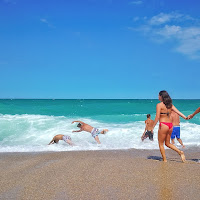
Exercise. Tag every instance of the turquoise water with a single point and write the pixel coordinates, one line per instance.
(28, 125)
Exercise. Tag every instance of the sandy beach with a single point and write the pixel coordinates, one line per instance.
(116, 174)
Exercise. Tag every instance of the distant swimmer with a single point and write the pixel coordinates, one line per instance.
(94, 131)
(148, 132)
(195, 112)
(176, 128)
(66, 138)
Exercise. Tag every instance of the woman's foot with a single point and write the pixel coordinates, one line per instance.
(182, 156)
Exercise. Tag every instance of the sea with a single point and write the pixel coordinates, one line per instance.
(28, 125)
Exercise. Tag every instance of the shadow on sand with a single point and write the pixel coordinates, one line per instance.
(155, 158)
(195, 160)
(158, 158)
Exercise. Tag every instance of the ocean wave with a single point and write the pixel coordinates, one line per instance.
(32, 133)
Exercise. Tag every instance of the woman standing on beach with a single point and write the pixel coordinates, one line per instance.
(163, 112)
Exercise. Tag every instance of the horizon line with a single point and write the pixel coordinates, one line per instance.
(89, 99)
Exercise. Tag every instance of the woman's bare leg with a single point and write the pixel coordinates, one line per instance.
(173, 147)
(162, 131)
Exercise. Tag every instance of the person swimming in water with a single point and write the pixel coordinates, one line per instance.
(163, 112)
(56, 139)
(94, 131)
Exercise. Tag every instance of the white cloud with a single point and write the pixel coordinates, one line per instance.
(187, 39)
(136, 2)
(189, 42)
(190, 32)
(163, 18)
(173, 27)
(145, 29)
(43, 20)
(136, 19)
(190, 47)
(169, 31)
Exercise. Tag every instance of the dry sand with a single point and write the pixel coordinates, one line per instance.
(93, 175)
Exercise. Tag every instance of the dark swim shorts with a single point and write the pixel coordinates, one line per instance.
(149, 134)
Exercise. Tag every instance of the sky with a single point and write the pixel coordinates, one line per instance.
(99, 49)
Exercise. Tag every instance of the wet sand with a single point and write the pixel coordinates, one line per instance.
(93, 175)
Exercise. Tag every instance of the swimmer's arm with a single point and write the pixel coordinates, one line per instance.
(79, 122)
(51, 142)
(145, 129)
(157, 115)
(152, 128)
(178, 112)
(192, 115)
(77, 131)
(144, 133)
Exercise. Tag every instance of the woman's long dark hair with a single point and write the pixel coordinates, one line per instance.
(166, 98)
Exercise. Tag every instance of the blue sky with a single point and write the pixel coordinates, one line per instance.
(99, 48)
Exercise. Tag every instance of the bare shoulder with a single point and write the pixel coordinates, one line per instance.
(160, 104)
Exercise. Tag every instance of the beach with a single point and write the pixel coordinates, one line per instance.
(106, 174)
(122, 167)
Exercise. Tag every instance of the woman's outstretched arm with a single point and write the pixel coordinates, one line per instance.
(178, 112)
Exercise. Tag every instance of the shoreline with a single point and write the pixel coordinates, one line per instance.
(99, 174)
(193, 148)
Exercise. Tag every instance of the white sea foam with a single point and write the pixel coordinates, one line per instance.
(32, 133)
